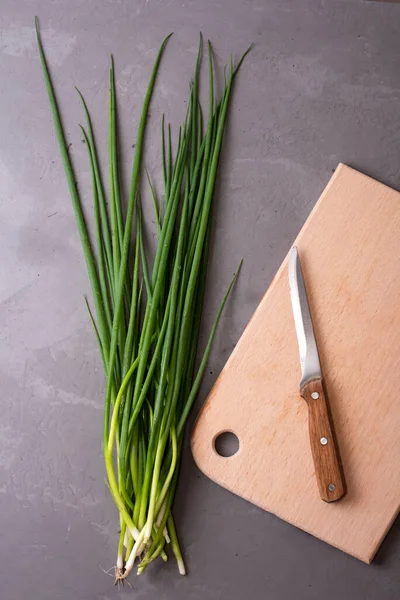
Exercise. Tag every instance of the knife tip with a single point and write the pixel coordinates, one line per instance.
(293, 254)
(292, 265)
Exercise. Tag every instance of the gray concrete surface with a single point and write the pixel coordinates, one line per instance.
(322, 85)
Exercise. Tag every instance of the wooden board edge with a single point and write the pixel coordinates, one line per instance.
(373, 552)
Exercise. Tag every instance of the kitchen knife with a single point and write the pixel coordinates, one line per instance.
(324, 448)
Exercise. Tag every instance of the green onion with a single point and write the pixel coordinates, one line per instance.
(148, 334)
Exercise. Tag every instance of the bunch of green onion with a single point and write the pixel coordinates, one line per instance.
(147, 321)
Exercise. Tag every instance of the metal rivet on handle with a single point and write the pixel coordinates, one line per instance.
(331, 487)
(315, 395)
(323, 441)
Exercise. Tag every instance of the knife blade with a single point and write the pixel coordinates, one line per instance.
(309, 359)
(324, 447)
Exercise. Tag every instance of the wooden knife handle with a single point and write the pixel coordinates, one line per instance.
(324, 448)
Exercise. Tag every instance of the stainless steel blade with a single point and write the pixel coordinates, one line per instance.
(309, 359)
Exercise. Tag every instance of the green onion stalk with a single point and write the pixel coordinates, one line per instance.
(147, 318)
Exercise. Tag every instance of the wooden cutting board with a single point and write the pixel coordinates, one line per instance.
(350, 254)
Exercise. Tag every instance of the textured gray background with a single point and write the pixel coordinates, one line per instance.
(322, 85)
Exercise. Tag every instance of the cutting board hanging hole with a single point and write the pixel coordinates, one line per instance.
(226, 444)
